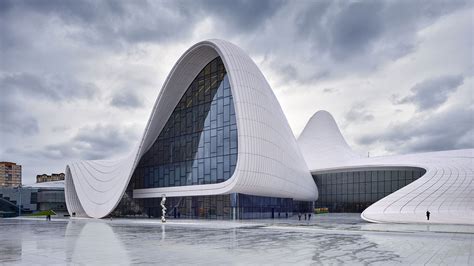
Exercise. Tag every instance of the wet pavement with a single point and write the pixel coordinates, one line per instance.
(326, 239)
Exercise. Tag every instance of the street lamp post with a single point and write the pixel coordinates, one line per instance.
(19, 205)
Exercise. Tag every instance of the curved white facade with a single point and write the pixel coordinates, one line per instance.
(269, 160)
(322, 143)
(446, 189)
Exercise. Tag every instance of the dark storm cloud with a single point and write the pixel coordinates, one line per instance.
(358, 113)
(109, 24)
(354, 28)
(365, 27)
(432, 93)
(329, 90)
(15, 120)
(14, 117)
(344, 38)
(90, 143)
(126, 100)
(287, 72)
(373, 30)
(239, 15)
(54, 87)
(449, 130)
(18, 123)
(341, 29)
(17, 88)
(100, 141)
(114, 23)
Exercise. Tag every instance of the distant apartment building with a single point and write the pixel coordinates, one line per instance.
(49, 178)
(10, 174)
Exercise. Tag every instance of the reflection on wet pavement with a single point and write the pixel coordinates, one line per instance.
(325, 240)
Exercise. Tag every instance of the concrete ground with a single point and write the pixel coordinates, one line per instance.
(326, 239)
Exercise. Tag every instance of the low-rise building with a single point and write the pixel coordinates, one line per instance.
(33, 198)
(49, 178)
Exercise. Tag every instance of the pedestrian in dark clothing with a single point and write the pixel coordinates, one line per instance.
(299, 216)
(305, 216)
(286, 215)
(428, 215)
(309, 216)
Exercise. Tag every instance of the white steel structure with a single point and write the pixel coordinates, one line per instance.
(446, 190)
(269, 160)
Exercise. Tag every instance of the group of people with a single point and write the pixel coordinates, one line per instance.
(307, 216)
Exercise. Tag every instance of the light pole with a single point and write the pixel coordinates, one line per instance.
(19, 205)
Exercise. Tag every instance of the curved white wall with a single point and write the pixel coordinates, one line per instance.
(322, 143)
(446, 189)
(269, 160)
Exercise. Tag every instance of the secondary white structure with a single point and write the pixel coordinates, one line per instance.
(269, 162)
(446, 189)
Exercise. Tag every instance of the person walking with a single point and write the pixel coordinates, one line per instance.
(305, 216)
(309, 216)
(299, 216)
(428, 215)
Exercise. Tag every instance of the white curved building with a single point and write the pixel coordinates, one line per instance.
(439, 182)
(218, 145)
(216, 127)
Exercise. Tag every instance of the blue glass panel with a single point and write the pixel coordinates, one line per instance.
(198, 144)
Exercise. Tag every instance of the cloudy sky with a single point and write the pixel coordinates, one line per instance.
(78, 78)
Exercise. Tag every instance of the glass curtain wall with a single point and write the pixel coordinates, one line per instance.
(221, 207)
(198, 144)
(354, 191)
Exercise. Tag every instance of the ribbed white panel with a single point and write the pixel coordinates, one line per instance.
(72, 201)
(446, 189)
(269, 161)
(322, 143)
(97, 186)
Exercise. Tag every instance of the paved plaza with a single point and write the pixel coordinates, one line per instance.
(326, 239)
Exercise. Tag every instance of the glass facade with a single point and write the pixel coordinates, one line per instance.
(353, 191)
(222, 207)
(255, 207)
(198, 144)
(204, 207)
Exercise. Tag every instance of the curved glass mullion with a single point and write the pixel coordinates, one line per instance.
(198, 144)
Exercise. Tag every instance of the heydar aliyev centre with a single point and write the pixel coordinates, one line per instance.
(217, 145)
